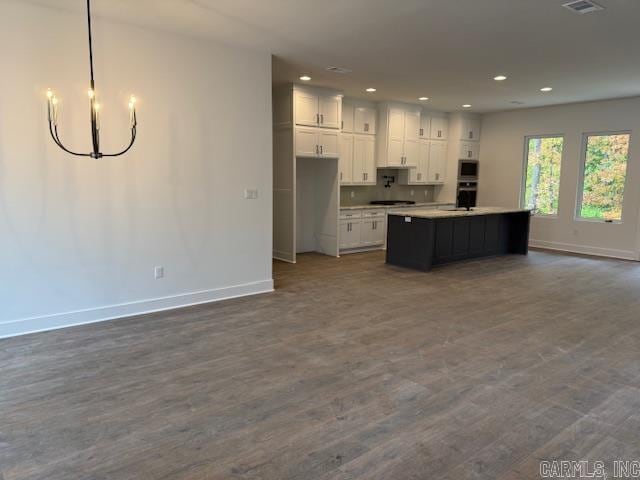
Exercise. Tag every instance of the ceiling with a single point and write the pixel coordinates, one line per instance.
(448, 50)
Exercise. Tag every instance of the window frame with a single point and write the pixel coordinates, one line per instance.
(583, 163)
(523, 175)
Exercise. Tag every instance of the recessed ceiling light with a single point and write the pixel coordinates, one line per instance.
(305, 78)
(546, 89)
(371, 90)
(423, 99)
(500, 78)
(466, 105)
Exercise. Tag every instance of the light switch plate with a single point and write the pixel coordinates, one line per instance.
(158, 272)
(251, 194)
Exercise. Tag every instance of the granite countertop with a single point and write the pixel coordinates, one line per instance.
(457, 213)
(416, 205)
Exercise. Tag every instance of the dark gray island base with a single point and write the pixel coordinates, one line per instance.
(427, 238)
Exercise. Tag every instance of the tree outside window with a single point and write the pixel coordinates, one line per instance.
(605, 170)
(542, 182)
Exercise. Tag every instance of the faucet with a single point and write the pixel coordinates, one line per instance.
(389, 179)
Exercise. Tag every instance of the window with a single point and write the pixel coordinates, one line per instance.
(542, 182)
(603, 176)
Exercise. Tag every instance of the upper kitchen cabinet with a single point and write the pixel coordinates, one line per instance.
(365, 120)
(433, 125)
(314, 142)
(470, 129)
(425, 126)
(398, 136)
(357, 160)
(348, 113)
(358, 116)
(439, 126)
(317, 108)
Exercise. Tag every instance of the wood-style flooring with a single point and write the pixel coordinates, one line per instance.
(351, 370)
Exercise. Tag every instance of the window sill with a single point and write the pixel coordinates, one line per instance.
(598, 220)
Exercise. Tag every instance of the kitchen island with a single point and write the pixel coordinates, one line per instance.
(422, 239)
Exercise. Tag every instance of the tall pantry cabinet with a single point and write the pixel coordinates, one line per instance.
(306, 152)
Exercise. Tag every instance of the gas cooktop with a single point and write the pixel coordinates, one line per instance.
(392, 202)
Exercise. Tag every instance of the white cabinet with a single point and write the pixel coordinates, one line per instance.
(329, 110)
(431, 165)
(357, 159)
(399, 138)
(346, 158)
(425, 125)
(372, 231)
(306, 108)
(348, 112)
(439, 127)
(358, 118)
(437, 161)
(349, 232)
(306, 142)
(364, 120)
(362, 229)
(469, 150)
(314, 142)
(470, 130)
(364, 167)
(329, 144)
(317, 109)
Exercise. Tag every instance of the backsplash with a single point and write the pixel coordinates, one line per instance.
(362, 195)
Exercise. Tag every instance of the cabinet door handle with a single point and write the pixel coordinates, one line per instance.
(342, 125)
(317, 150)
(317, 118)
(366, 127)
(340, 176)
(321, 152)
(421, 132)
(471, 135)
(470, 153)
(322, 118)
(439, 133)
(419, 176)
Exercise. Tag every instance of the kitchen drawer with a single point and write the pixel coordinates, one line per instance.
(373, 213)
(350, 214)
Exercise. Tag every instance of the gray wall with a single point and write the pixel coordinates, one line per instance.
(502, 164)
(80, 238)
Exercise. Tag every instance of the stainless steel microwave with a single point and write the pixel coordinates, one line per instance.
(468, 170)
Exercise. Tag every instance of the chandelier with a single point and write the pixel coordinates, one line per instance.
(52, 109)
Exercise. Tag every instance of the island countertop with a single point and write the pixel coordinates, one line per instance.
(476, 211)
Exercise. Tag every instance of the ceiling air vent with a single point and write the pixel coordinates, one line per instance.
(582, 6)
(340, 70)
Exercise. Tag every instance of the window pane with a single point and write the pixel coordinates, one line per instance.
(605, 169)
(544, 156)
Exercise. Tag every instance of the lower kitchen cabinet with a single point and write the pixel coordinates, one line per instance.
(362, 229)
(350, 225)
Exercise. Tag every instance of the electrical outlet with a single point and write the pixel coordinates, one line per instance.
(158, 272)
(250, 194)
(411, 193)
(353, 194)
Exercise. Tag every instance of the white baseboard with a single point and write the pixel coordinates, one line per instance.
(23, 326)
(585, 249)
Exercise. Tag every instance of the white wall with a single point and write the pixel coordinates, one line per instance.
(502, 163)
(79, 238)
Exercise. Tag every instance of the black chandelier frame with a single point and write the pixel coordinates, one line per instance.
(52, 111)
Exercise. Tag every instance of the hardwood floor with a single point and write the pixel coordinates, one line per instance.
(351, 370)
